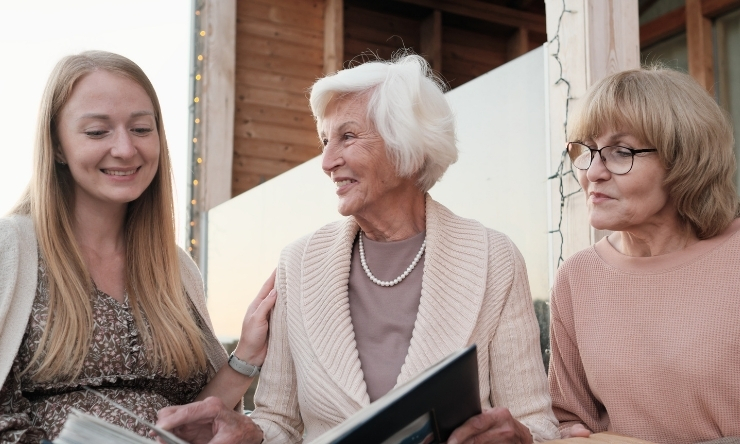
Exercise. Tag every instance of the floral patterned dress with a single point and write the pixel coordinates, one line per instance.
(115, 365)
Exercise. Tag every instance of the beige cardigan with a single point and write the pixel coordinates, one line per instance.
(19, 278)
(474, 290)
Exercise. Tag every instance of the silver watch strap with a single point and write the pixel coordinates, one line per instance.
(245, 368)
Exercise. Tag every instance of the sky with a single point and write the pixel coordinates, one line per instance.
(153, 33)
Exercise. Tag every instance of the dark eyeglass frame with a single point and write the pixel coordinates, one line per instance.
(606, 165)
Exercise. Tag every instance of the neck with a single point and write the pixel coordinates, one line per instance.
(399, 219)
(99, 229)
(655, 242)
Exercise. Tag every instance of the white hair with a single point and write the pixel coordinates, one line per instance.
(408, 108)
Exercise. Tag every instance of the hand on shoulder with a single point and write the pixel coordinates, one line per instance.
(252, 346)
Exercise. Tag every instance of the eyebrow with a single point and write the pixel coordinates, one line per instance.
(107, 117)
(341, 128)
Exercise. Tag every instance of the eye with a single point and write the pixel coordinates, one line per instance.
(95, 133)
(622, 151)
(347, 136)
(142, 131)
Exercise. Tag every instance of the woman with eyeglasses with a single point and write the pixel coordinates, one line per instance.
(645, 323)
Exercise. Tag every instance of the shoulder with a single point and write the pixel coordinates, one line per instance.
(318, 239)
(569, 277)
(17, 236)
(192, 280)
(15, 226)
(585, 258)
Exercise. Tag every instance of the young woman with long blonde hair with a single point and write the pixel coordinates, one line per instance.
(93, 289)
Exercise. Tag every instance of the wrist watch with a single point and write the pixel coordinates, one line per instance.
(245, 368)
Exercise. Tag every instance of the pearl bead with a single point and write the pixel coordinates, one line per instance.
(399, 278)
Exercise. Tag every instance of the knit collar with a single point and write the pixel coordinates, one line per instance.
(452, 291)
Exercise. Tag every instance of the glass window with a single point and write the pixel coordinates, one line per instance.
(671, 52)
(728, 64)
(652, 9)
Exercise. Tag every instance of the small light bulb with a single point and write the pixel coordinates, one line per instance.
(192, 241)
(200, 160)
(197, 12)
(200, 57)
(202, 33)
(195, 182)
(196, 100)
(195, 140)
(197, 120)
(197, 77)
(192, 201)
(192, 223)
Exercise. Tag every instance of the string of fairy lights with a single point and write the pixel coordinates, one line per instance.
(196, 115)
(561, 173)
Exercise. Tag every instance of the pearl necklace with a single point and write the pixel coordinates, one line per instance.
(399, 278)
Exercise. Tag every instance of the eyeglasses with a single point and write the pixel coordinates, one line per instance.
(616, 159)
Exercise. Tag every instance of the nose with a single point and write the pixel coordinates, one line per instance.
(597, 171)
(331, 157)
(123, 145)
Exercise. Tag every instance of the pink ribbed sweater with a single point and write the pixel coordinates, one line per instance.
(649, 347)
(474, 290)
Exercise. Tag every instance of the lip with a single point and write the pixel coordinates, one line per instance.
(597, 198)
(121, 174)
(341, 189)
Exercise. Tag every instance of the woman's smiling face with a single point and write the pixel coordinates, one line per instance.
(355, 157)
(108, 137)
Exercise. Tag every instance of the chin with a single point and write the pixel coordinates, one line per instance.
(603, 225)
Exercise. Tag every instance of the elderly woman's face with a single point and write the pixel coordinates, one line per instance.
(636, 201)
(355, 158)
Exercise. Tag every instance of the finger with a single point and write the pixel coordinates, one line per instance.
(263, 311)
(577, 431)
(204, 410)
(264, 292)
(478, 424)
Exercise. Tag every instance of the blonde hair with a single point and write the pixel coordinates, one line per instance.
(172, 339)
(408, 108)
(669, 111)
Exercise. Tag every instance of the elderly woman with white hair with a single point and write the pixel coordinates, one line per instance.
(368, 302)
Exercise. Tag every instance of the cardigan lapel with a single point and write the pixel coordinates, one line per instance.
(452, 288)
(325, 306)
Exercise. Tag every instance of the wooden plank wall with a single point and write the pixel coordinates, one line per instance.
(368, 31)
(466, 53)
(279, 54)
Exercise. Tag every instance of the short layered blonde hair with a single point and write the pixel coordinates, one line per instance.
(669, 111)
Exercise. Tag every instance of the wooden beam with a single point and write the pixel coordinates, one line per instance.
(333, 36)
(218, 102)
(699, 45)
(431, 39)
(518, 44)
(612, 38)
(663, 27)
(486, 11)
(592, 39)
(715, 8)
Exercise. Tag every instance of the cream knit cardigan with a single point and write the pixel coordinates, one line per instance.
(19, 278)
(474, 290)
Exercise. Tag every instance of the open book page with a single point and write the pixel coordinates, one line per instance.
(84, 428)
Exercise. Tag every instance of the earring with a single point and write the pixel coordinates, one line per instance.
(61, 162)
